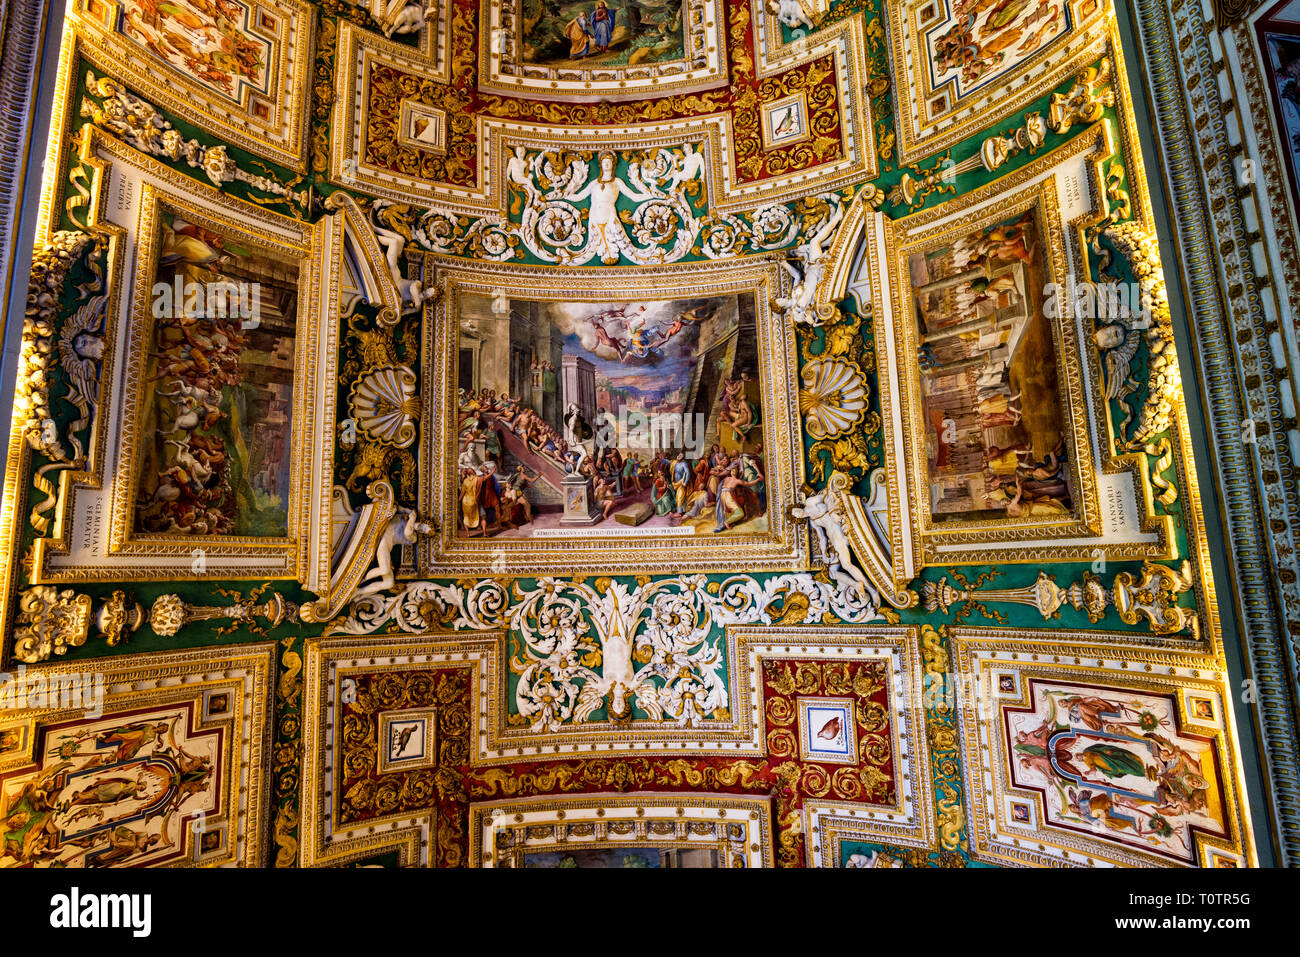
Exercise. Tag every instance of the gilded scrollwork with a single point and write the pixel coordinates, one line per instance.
(1151, 598)
(1085, 102)
(50, 621)
(113, 108)
(75, 345)
(584, 647)
(993, 153)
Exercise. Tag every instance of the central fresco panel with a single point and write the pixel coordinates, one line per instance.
(636, 434)
(608, 428)
(646, 382)
(597, 48)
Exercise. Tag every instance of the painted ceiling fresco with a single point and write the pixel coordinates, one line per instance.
(644, 433)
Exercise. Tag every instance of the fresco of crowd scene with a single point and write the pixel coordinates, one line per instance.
(656, 405)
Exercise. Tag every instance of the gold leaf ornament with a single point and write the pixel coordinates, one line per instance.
(833, 398)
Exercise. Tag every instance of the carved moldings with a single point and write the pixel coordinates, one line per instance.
(256, 99)
(95, 535)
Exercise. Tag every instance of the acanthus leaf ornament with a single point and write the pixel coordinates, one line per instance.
(77, 350)
(561, 214)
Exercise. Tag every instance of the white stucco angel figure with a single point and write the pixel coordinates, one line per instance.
(412, 292)
(801, 305)
(404, 528)
(618, 682)
(789, 12)
(824, 514)
(604, 231)
(402, 16)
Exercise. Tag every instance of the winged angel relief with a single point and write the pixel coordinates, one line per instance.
(663, 222)
(646, 213)
(579, 649)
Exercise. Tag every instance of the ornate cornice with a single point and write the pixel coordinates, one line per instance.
(1238, 384)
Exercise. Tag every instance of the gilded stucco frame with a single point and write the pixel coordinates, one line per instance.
(918, 542)
(1106, 659)
(282, 139)
(913, 234)
(738, 827)
(494, 746)
(132, 683)
(122, 555)
(703, 36)
(360, 52)
(920, 136)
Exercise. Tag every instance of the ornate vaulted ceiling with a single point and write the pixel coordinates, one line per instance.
(628, 433)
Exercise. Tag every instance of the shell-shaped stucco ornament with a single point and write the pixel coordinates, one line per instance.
(385, 406)
(833, 398)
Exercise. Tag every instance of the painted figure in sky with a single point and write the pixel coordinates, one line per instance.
(639, 343)
(602, 22)
(579, 34)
